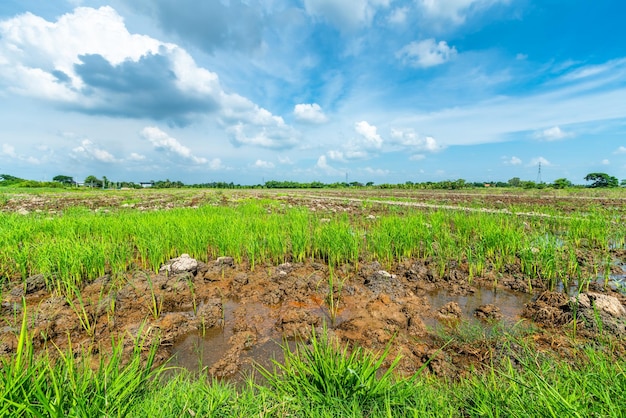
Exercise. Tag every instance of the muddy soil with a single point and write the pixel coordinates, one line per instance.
(220, 317)
(326, 200)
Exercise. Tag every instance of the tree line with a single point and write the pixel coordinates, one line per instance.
(595, 180)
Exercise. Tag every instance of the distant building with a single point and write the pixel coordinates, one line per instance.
(146, 184)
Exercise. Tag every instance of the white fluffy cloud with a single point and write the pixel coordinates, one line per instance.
(277, 136)
(369, 137)
(136, 157)
(89, 62)
(511, 160)
(620, 150)
(426, 53)
(88, 150)
(8, 150)
(163, 142)
(552, 134)
(336, 155)
(39, 57)
(412, 140)
(263, 164)
(322, 164)
(606, 162)
(455, 11)
(345, 14)
(285, 160)
(309, 113)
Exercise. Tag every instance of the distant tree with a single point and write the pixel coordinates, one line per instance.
(63, 179)
(515, 182)
(623, 183)
(93, 181)
(369, 183)
(561, 183)
(9, 178)
(601, 180)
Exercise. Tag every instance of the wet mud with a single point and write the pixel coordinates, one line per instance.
(220, 318)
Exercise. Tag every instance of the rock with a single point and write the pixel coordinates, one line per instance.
(603, 303)
(181, 264)
(488, 312)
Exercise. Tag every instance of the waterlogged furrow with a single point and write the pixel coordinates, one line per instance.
(82, 245)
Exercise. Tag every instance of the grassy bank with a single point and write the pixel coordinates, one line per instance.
(316, 380)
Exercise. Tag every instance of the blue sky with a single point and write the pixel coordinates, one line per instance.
(249, 90)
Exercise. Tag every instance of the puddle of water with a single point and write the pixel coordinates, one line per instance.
(510, 303)
(198, 352)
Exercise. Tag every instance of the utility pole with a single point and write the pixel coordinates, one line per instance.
(539, 174)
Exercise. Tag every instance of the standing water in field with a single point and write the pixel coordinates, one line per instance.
(255, 333)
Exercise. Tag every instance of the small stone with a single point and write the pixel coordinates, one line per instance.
(181, 264)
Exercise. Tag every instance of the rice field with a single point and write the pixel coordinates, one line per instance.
(82, 274)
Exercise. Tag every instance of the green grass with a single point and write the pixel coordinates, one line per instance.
(324, 379)
(81, 245)
(58, 383)
(320, 379)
